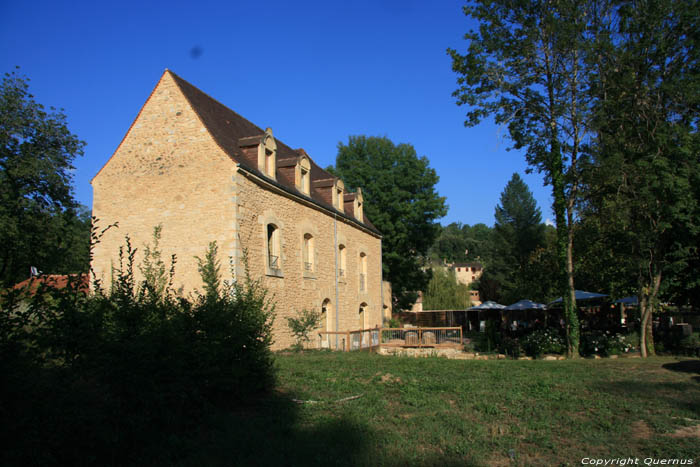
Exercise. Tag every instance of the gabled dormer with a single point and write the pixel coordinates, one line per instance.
(339, 195)
(302, 175)
(266, 148)
(354, 204)
(332, 191)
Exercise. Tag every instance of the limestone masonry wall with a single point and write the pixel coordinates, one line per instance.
(168, 170)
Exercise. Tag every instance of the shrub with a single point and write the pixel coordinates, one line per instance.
(543, 341)
(605, 343)
(114, 377)
(510, 346)
(301, 326)
(393, 323)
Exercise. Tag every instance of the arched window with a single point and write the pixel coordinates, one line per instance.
(342, 270)
(362, 316)
(363, 272)
(273, 247)
(308, 253)
(327, 324)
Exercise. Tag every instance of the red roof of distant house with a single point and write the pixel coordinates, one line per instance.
(56, 281)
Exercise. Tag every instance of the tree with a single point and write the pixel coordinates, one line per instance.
(401, 201)
(648, 144)
(40, 222)
(526, 66)
(459, 243)
(518, 232)
(445, 293)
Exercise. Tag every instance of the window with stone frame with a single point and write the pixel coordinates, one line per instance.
(273, 247)
(363, 272)
(308, 253)
(342, 260)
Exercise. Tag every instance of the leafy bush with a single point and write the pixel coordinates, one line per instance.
(393, 323)
(690, 345)
(543, 341)
(510, 346)
(115, 377)
(301, 326)
(605, 343)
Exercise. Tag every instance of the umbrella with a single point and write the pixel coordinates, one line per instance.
(526, 305)
(628, 300)
(582, 295)
(488, 306)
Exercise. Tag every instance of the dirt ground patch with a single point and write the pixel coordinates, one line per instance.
(640, 430)
(686, 432)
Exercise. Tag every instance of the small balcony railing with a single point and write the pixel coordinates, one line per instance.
(308, 267)
(274, 262)
(341, 272)
(362, 282)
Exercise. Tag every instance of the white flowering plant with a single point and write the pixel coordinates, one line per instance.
(543, 341)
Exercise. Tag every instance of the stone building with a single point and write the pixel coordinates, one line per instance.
(204, 173)
(466, 273)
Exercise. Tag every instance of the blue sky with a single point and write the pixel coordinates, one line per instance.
(316, 72)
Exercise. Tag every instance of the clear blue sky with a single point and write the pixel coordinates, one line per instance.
(316, 72)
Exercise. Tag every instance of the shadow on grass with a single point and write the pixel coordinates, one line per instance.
(275, 431)
(49, 420)
(681, 395)
(685, 366)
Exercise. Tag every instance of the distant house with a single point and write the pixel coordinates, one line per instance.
(206, 174)
(466, 273)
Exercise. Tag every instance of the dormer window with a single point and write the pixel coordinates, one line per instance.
(338, 195)
(357, 205)
(267, 154)
(269, 163)
(304, 175)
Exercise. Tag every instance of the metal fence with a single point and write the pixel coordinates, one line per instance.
(390, 337)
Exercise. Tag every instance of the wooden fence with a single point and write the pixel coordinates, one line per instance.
(366, 339)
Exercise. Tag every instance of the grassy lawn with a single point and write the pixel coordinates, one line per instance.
(447, 412)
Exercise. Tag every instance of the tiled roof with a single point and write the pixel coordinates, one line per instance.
(228, 129)
(56, 281)
(466, 265)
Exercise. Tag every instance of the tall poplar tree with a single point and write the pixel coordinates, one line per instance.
(648, 168)
(525, 66)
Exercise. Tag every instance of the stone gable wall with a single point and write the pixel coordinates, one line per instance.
(167, 171)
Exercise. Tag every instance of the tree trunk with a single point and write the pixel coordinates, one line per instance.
(644, 317)
(648, 294)
(564, 256)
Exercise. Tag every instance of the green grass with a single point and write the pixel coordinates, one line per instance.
(447, 412)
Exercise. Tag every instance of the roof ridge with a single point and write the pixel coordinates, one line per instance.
(179, 79)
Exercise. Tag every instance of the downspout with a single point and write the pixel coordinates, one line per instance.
(381, 286)
(335, 249)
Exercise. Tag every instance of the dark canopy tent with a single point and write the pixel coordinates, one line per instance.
(581, 295)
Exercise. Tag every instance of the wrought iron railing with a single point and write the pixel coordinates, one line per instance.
(273, 261)
(308, 266)
(362, 282)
